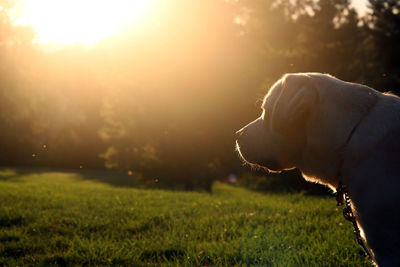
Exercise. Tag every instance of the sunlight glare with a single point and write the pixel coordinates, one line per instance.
(82, 21)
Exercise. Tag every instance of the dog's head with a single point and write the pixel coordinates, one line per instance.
(275, 139)
(306, 121)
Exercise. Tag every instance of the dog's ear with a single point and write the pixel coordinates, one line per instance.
(294, 102)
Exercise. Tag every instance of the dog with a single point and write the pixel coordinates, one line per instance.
(335, 132)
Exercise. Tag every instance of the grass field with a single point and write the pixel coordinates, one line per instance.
(66, 218)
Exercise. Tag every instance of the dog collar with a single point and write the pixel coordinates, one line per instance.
(342, 196)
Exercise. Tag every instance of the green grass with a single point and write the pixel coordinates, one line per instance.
(61, 218)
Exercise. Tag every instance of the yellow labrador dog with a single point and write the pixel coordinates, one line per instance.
(335, 133)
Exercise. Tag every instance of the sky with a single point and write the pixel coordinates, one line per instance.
(360, 5)
(89, 29)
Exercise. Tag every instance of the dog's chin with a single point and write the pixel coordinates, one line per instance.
(269, 166)
(271, 170)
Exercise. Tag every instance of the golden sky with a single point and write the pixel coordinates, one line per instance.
(89, 21)
(78, 21)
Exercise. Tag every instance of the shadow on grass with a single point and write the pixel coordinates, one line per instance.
(113, 178)
(162, 255)
(6, 221)
(12, 175)
(285, 182)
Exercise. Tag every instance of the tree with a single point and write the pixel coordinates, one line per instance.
(383, 21)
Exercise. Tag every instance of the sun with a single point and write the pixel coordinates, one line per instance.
(81, 21)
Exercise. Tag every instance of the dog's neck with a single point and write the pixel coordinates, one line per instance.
(323, 161)
(321, 168)
(324, 166)
(366, 139)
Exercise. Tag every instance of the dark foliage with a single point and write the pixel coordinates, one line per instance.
(165, 103)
